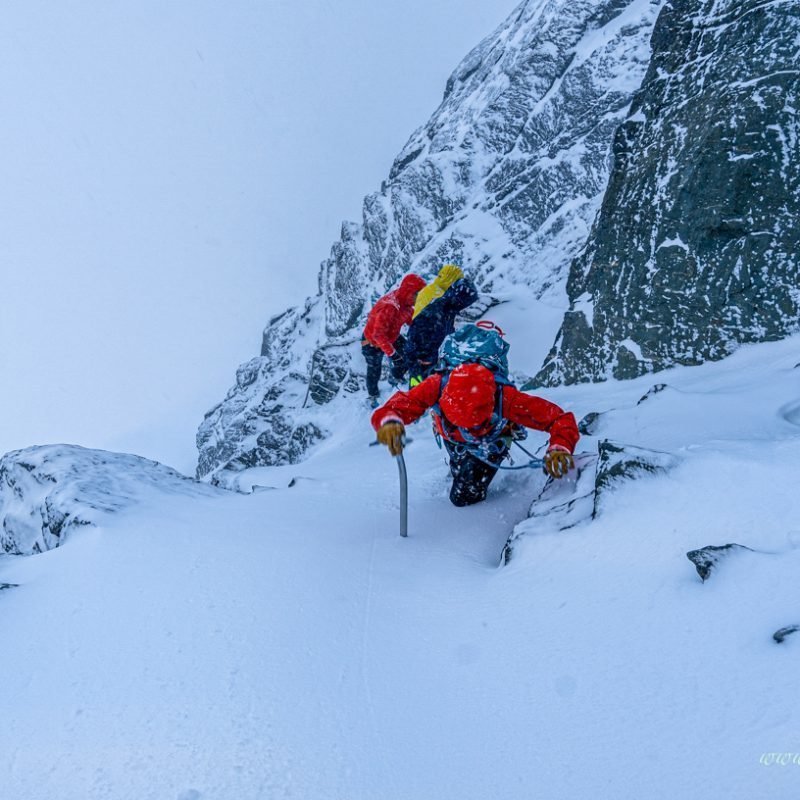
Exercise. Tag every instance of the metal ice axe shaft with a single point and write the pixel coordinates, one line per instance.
(401, 468)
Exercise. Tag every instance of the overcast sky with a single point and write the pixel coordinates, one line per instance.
(171, 174)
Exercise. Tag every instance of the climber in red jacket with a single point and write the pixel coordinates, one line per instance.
(474, 416)
(382, 333)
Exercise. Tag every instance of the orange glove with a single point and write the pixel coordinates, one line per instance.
(391, 434)
(557, 463)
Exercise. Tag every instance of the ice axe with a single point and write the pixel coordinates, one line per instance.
(401, 468)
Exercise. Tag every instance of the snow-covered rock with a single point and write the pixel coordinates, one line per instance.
(706, 559)
(565, 503)
(264, 418)
(780, 635)
(559, 506)
(47, 491)
(695, 249)
(504, 179)
(507, 175)
(618, 463)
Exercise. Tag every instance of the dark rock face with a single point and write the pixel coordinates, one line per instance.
(695, 249)
(46, 492)
(706, 559)
(504, 180)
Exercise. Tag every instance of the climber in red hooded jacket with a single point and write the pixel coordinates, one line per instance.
(382, 333)
(473, 415)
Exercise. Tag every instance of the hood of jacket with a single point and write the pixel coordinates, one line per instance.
(468, 400)
(406, 293)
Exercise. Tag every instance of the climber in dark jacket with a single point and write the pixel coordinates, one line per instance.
(432, 325)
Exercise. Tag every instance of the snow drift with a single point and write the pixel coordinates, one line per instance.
(45, 492)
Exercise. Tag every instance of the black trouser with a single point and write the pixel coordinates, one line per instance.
(374, 358)
(471, 476)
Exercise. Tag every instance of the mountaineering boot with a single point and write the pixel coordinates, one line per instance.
(374, 401)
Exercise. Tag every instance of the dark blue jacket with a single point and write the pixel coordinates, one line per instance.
(435, 322)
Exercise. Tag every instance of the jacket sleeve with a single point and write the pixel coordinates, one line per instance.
(542, 415)
(408, 407)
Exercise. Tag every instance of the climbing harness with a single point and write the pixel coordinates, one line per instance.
(475, 452)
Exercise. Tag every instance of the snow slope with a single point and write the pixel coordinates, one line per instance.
(288, 643)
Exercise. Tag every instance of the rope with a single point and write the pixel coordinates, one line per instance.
(534, 463)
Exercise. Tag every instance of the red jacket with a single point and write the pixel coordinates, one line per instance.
(391, 312)
(518, 407)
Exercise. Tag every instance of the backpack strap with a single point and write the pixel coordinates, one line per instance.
(488, 442)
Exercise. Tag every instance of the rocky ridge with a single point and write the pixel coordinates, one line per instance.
(504, 179)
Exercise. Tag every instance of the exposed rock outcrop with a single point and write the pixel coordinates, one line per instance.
(264, 419)
(706, 559)
(565, 503)
(618, 463)
(695, 249)
(782, 634)
(504, 179)
(45, 492)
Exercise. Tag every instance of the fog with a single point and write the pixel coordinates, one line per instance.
(172, 174)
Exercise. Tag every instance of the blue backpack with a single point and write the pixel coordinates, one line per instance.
(477, 344)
